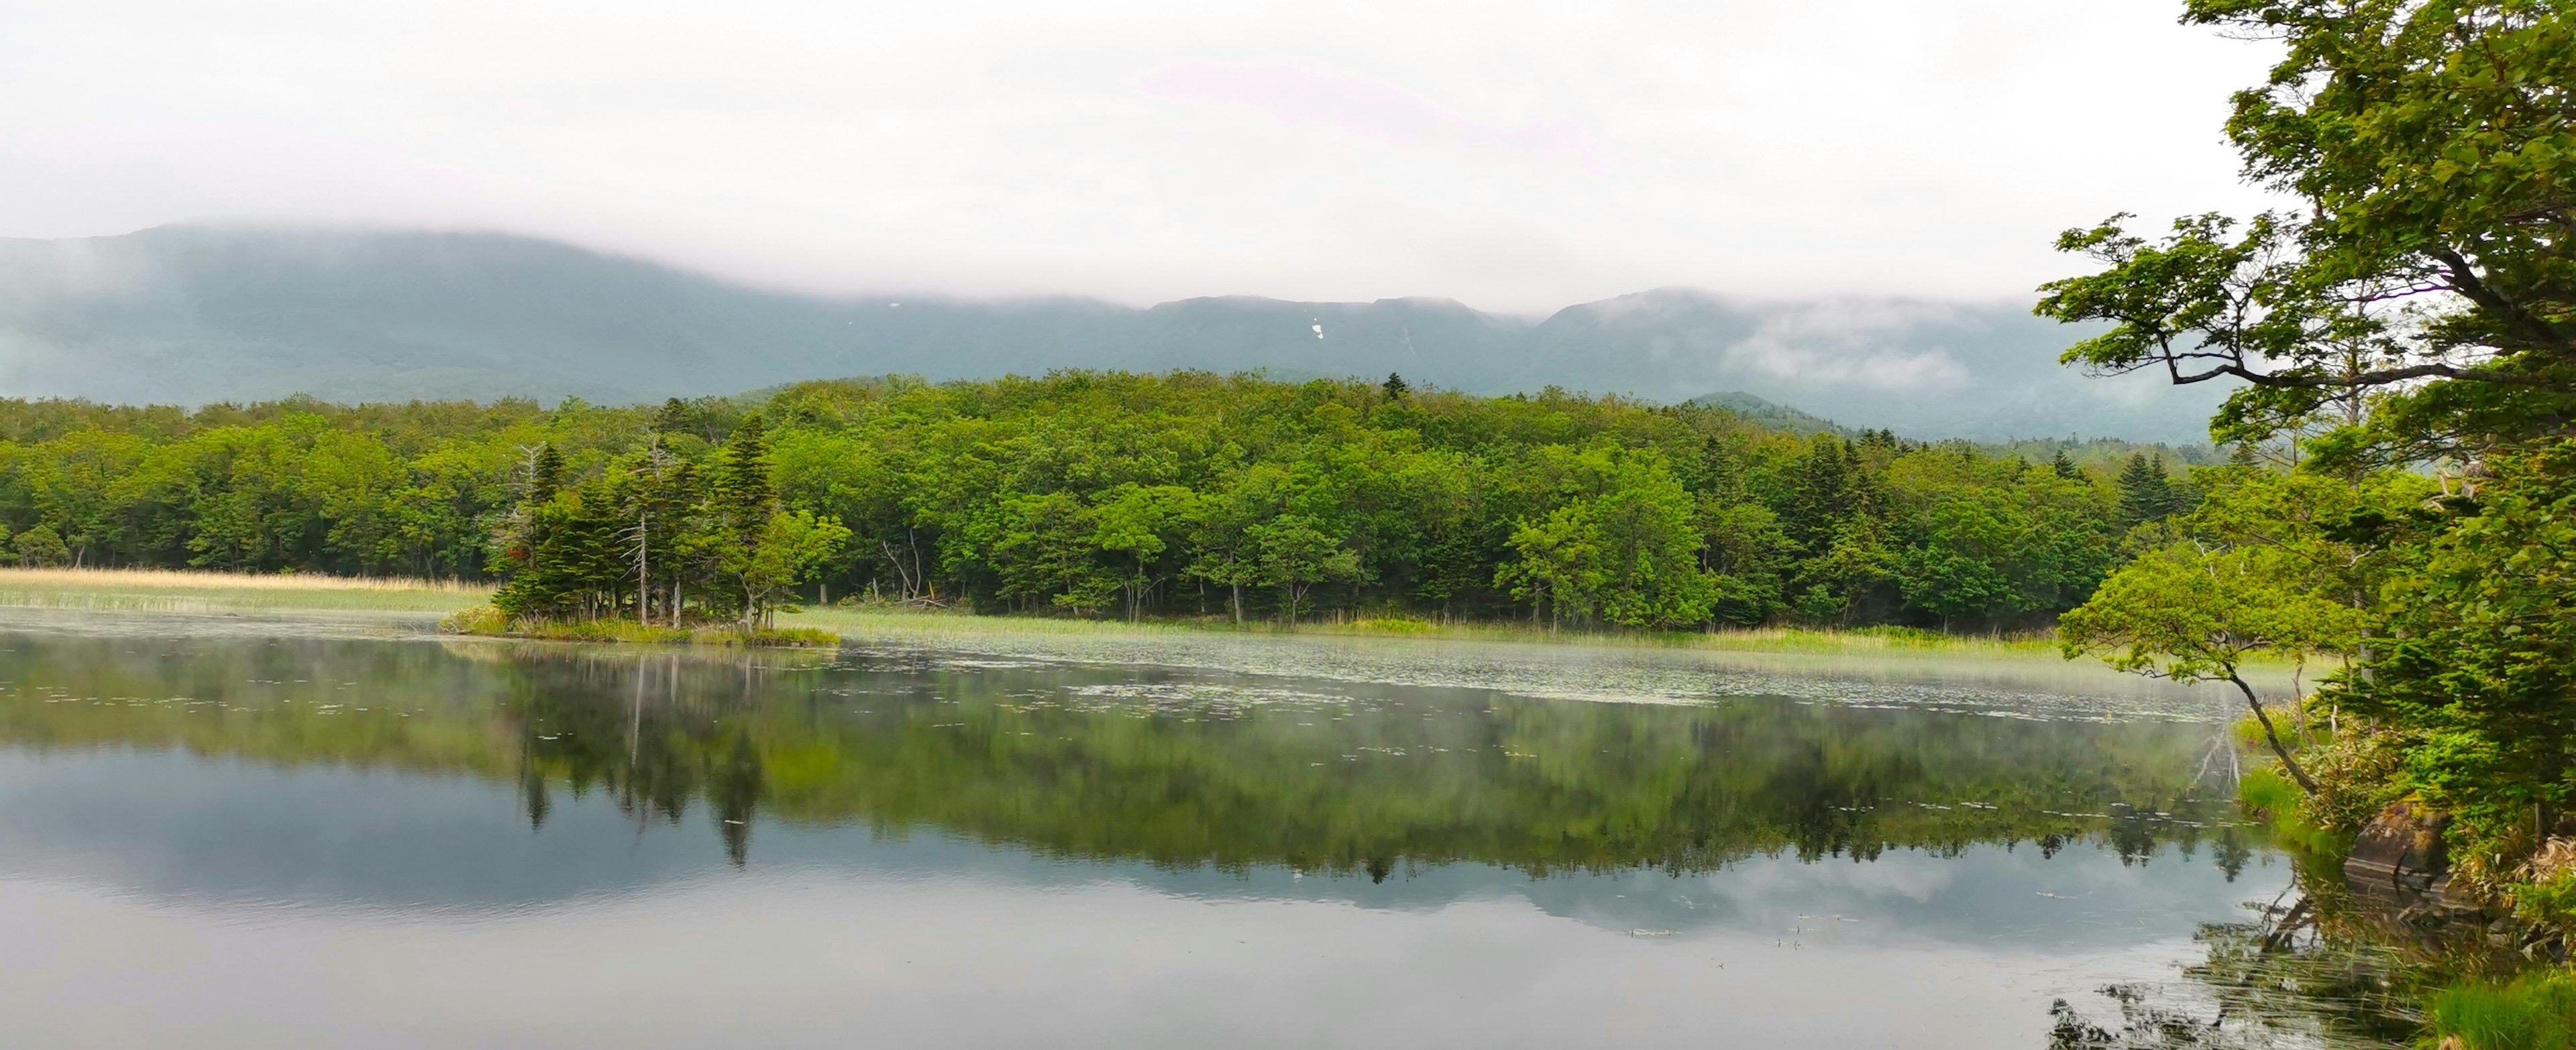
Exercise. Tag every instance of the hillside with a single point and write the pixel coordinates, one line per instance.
(190, 315)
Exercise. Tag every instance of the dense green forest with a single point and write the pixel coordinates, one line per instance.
(1097, 494)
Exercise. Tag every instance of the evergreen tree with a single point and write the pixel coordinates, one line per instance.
(2146, 493)
(744, 492)
(545, 474)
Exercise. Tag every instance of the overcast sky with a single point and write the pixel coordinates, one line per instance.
(1515, 156)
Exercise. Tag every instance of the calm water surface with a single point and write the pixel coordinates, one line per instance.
(293, 841)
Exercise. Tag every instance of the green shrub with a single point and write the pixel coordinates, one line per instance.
(770, 638)
(2356, 775)
(476, 619)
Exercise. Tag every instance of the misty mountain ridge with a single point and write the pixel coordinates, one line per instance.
(189, 315)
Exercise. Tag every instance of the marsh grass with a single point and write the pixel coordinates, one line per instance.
(2534, 1012)
(2269, 794)
(1787, 640)
(174, 591)
(486, 621)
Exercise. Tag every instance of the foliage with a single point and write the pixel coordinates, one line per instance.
(2265, 566)
(2477, 657)
(2416, 309)
(40, 546)
(1179, 495)
(2428, 269)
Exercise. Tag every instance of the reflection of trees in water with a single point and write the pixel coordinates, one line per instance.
(2320, 966)
(651, 744)
(1195, 772)
(1370, 786)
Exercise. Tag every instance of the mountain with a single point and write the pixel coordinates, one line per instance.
(1769, 413)
(196, 314)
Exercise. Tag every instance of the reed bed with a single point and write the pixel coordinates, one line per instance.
(195, 579)
(179, 591)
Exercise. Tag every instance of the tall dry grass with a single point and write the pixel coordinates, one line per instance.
(176, 591)
(193, 579)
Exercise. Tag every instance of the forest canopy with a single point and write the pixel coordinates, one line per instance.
(1099, 494)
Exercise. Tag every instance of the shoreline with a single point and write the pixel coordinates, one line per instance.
(1632, 667)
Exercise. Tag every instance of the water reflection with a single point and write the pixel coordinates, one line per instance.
(480, 795)
(1176, 769)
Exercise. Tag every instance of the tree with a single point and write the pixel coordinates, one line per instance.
(2146, 491)
(1296, 554)
(545, 474)
(655, 492)
(2195, 615)
(1557, 564)
(1229, 554)
(2266, 565)
(2432, 151)
(41, 546)
(1960, 567)
(2476, 655)
(790, 546)
(2418, 304)
(741, 492)
(1745, 553)
(1046, 549)
(1832, 585)
(1643, 532)
(1140, 524)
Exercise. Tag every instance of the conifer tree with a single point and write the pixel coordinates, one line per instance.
(2146, 494)
(2065, 467)
(545, 474)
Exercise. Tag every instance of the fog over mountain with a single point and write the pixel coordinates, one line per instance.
(197, 314)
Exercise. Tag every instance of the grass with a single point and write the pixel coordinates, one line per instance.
(175, 591)
(2268, 792)
(2536, 1011)
(484, 620)
(1789, 640)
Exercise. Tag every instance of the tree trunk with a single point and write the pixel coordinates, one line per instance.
(2306, 783)
(643, 575)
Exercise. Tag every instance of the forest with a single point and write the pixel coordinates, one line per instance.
(1099, 494)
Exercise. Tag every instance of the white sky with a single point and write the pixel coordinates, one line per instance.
(1516, 156)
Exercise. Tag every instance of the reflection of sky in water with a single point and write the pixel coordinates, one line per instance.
(334, 907)
(259, 905)
(212, 830)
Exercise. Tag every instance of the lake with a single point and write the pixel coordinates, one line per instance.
(226, 833)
